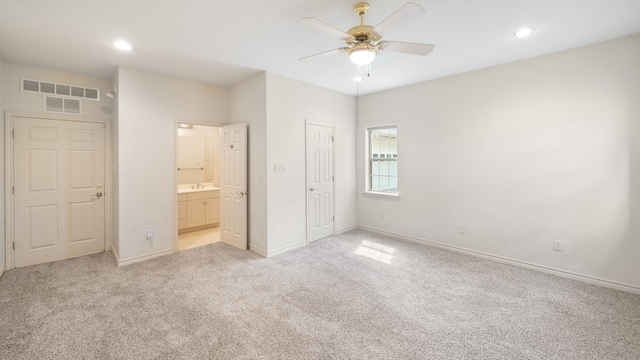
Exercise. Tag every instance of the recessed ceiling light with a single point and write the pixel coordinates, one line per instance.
(122, 45)
(524, 32)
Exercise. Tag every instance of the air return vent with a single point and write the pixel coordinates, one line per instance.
(72, 106)
(30, 85)
(44, 87)
(62, 105)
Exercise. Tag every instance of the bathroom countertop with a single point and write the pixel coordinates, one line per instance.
(184, 190)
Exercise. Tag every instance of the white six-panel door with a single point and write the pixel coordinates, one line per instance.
(59, 201)
(320, 180)
(233, 186)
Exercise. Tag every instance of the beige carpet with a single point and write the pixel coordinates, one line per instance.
(355, 296)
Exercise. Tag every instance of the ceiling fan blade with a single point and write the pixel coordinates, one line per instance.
(325, 28)
(405, 14)
(408, 48)
(322, 54)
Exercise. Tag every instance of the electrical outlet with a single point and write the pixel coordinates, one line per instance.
(279, 168)
(557, 245)
(149, 234)
(461, 229)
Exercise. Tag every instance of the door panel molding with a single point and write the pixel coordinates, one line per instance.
(10, 118)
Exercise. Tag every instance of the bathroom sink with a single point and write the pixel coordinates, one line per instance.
(189, 188)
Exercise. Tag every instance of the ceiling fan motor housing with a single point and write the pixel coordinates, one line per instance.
(360, 34)
(361, 8)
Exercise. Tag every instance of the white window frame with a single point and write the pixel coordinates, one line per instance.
(370, 159)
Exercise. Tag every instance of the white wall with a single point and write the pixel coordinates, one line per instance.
(115, 169)
(522, 154)
(289, 104)
(15, 100)
(247, 104)
(2, 226)
(275, 108)
(148, 107)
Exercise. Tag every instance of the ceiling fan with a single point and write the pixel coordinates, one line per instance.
(363, 41)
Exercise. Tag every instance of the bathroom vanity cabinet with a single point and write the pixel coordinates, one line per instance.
(198, 210)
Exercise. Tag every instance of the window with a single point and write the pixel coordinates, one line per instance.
(383, 159)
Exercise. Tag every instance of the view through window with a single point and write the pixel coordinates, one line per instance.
(383, 159)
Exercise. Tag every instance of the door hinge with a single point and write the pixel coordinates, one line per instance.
(13, 133)
(332, 138)
(333, 218)
(12, 190)
(333, 178)
(14, 245)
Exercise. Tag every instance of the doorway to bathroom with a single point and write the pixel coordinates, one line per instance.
(198, 180)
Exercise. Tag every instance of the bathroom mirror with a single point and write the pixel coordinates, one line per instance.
(197, 156)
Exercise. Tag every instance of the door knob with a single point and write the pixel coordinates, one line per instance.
(98, 195)
(313, 189)
(241, 193)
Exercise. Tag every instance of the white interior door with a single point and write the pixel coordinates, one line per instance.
(59, 186)
(320, 180)
(233, 186)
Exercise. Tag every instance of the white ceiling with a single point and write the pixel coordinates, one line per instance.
(226, 42)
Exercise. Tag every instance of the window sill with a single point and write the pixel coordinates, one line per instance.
(376, 193)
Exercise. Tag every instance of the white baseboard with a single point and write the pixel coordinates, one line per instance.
(287, 249)
(1, 272)
(292, 247)
(519, 263)
(115, 255)
(338, 232)
(258, 251)
(142, 258)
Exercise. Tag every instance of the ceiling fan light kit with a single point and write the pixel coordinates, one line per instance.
(363, 41)
(362, 46)
(362, 54)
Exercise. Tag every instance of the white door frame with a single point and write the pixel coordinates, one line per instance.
(306, 168)
(8, 176)
(175, 167)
